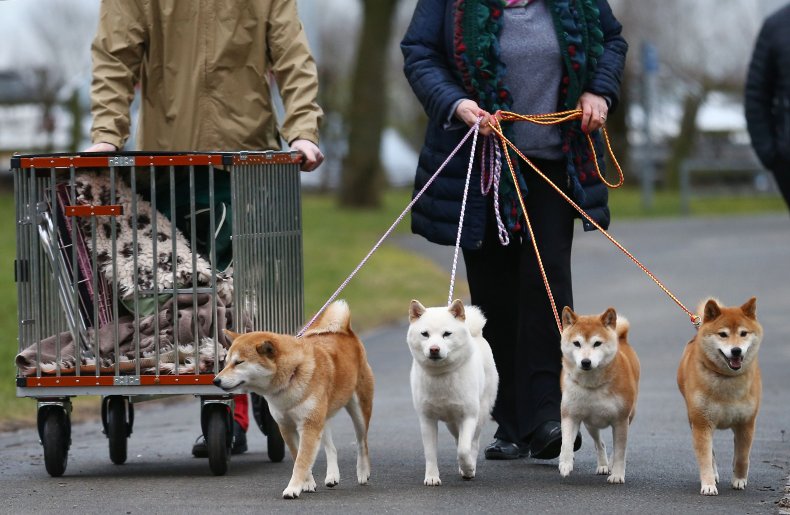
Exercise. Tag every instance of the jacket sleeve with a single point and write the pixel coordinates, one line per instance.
(759, 95)
(117, 54)
(426, 63)
(609, 73)
(295, 72)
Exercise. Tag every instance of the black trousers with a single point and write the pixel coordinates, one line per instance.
(506, 284)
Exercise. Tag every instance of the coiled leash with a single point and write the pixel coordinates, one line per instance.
(551, 119)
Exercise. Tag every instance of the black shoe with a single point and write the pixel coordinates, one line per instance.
(200, 449)
(546, 441)
(503, 450)
(239, 439)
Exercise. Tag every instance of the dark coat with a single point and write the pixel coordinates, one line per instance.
(767, 100)
(430, 68)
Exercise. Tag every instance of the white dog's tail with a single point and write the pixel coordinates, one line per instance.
(335, 319)
(475, 320)
(622, 327)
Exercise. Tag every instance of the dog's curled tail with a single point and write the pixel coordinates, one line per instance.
(335, 319)
(475, 321)
(622, 327)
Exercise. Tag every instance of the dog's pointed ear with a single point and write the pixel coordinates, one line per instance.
(609, 318)
(750, 308)
(711, 311)
(266, 349)
(416, 310)
(457, 309)
(230, 335)
(568, 317)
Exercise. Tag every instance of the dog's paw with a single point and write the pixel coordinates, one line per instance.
(467, 474)
(738, 483)
(565, 468)
(432, 481)
(616, 479)
(292, 492)
(602, 470)
(709, 490)
(331, 480)
(363, 476)
(309, 485)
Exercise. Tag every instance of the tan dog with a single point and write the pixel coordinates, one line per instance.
(720, 380)
(306, 381)
(600, 383)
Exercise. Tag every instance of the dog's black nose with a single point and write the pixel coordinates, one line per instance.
(735, 352)
(217, 381)
(586, 363)
(433, 352)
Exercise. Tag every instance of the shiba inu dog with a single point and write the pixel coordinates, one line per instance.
(306, 381)
(453, 379)
(720, 381)
(600, 383)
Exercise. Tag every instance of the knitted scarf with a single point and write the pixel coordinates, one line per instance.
(476, 31)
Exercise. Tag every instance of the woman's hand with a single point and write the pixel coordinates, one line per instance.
(468, 112)
(594, 110)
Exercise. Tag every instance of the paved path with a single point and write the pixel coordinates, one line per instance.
(730, 258)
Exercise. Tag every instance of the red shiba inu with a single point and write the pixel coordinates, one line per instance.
(306, 381)
(720, 381)
(600, 383)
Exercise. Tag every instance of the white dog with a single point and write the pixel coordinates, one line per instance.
(453, 379)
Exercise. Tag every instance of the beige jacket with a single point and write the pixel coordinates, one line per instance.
(204, 67)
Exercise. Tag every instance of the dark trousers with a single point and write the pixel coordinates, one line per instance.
(505, 282)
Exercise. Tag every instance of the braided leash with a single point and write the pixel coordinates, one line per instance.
(553, 118)
(476, 129)
(473, 130)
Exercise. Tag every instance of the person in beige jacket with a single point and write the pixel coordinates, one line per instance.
(204, 68)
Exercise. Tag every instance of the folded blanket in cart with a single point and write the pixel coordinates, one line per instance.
(173, 332)
(170, 268)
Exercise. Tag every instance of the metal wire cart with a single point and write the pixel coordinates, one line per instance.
(130, 266)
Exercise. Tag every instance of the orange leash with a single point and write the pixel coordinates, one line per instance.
(551, 119)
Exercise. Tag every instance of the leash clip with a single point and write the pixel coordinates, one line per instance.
(696, 320)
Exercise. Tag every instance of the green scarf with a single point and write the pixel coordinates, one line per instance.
(476, 29)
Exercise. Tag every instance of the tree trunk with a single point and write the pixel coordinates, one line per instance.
(685, 140)
(362, 175)
(617, 127)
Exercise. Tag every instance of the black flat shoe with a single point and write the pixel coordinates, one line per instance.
(503, 450)
(200, 449)
(546, 441)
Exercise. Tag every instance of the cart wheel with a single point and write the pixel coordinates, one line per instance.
(117, 428)
(54, 437)
(217, 442)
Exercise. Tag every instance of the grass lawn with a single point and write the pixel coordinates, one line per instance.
(335, 241)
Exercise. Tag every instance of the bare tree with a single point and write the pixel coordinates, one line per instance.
(60, 55)
(703, 46)
(362, 175)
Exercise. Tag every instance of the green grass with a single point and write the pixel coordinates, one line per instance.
(335, 241)
(626, 203)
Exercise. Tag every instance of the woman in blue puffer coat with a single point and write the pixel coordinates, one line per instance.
(467, 59)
